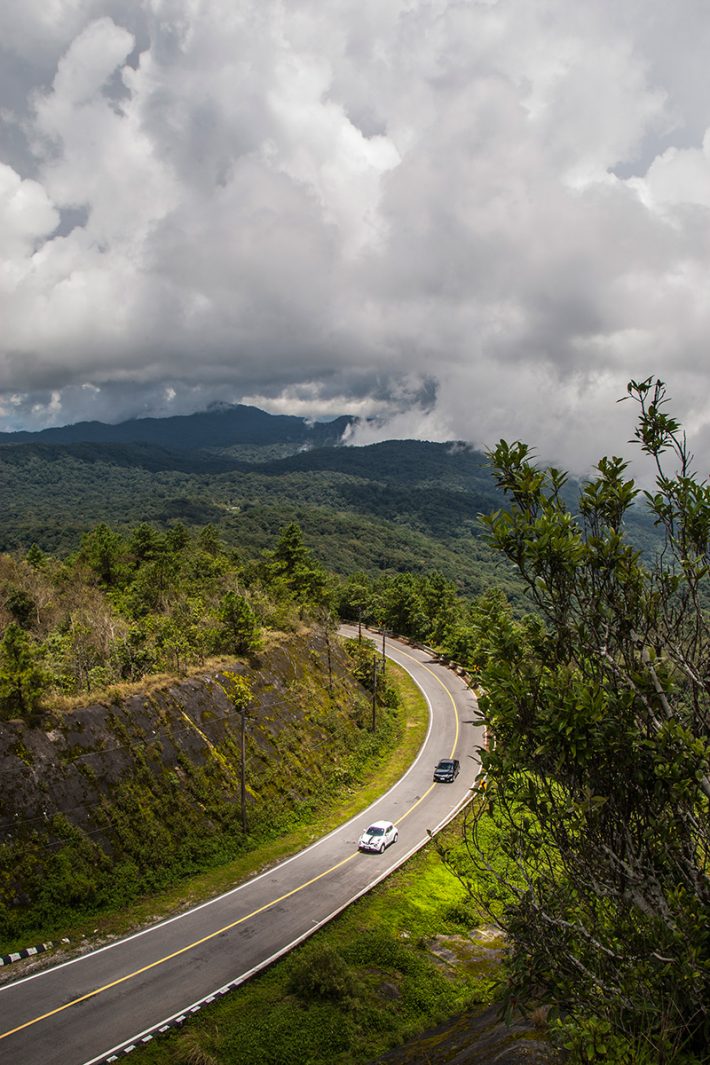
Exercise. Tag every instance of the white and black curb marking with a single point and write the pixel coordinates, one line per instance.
(27, 952)
(176, 1022)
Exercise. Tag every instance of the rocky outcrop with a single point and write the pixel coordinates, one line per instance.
(477, 1037)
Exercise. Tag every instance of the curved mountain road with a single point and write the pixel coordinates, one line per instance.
(97, 1006)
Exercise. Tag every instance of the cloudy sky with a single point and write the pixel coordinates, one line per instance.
(466, 218)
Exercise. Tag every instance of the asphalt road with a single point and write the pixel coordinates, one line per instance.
(89, 1009)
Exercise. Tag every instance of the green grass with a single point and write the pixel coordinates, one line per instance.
(315, 822)
(365, 983)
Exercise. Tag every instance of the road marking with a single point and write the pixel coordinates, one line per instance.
(456, 733)
(182, 950)
(451, 698)
(246, 917)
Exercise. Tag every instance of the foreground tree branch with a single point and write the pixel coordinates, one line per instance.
(599, 778)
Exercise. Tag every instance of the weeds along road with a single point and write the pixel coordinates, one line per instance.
(98, 1005)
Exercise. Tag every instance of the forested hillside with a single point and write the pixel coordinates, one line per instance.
(126, 606)
(124, 669)
(403, 505)
(131, 791)
(392, 507)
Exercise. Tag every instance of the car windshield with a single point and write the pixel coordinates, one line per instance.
(375, 830)
(446, 765)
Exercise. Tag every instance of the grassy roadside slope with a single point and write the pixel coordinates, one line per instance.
(408, 956)
(400, 960)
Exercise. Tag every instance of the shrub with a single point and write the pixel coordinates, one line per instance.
(320, 974)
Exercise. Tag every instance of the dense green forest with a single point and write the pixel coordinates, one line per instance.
(128, 605)
(400, 506)
(390, 507)
(580, 607)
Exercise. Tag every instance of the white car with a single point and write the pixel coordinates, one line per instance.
(378, 836)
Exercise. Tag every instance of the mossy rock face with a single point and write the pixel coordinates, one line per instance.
(477, 1038)
(133, 794)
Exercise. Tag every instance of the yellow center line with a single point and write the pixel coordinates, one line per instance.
(456, 733)
(240, 920)
(176, 953)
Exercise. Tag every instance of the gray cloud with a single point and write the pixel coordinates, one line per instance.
(467, 219)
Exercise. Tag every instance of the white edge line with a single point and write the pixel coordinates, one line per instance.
(239, 980)
(265, 963)
(247, 883)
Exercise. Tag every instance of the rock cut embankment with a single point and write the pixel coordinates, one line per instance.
(129, 793)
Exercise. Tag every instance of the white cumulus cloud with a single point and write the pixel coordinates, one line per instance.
(467, 219)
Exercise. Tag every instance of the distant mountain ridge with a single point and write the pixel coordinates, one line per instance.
(219, 427)
(393, 506)
(388, 507)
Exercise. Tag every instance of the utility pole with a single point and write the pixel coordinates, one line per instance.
(239, 692)
(374, 694)
(243, 774)
(327, 623)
